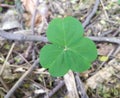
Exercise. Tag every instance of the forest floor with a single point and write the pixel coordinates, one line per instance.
(21, 75)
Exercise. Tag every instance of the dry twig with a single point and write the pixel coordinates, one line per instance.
(18, 83)
(87, 20)
(4, 65)
(22, 37)
(104, 10)
(80, 86)
(7, 6)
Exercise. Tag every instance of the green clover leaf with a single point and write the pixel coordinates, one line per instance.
(69, 49)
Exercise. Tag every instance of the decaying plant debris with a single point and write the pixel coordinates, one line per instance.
(22, 34)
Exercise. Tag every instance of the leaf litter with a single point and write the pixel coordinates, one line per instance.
(105, 80)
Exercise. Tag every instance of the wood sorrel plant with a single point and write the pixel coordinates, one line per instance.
(69, 49)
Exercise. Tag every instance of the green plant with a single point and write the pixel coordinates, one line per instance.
(69, 49)
(119, 1)
(1, 9)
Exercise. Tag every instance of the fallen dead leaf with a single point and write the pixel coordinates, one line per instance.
(104, 74)
(30, 6)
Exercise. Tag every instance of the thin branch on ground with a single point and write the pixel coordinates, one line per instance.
(19, 82)
(106, 33)
(80, 86)
(116, 51)
(87, 20)
(3, 84)
(33, 17)
(4, 65)
(22, 37)
(32, 28)
(5, 62)
(7, 6)
(106, 39)
(24, 59)
(105, 12)
(52, 92)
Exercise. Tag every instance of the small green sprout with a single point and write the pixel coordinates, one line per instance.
(69, 49)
